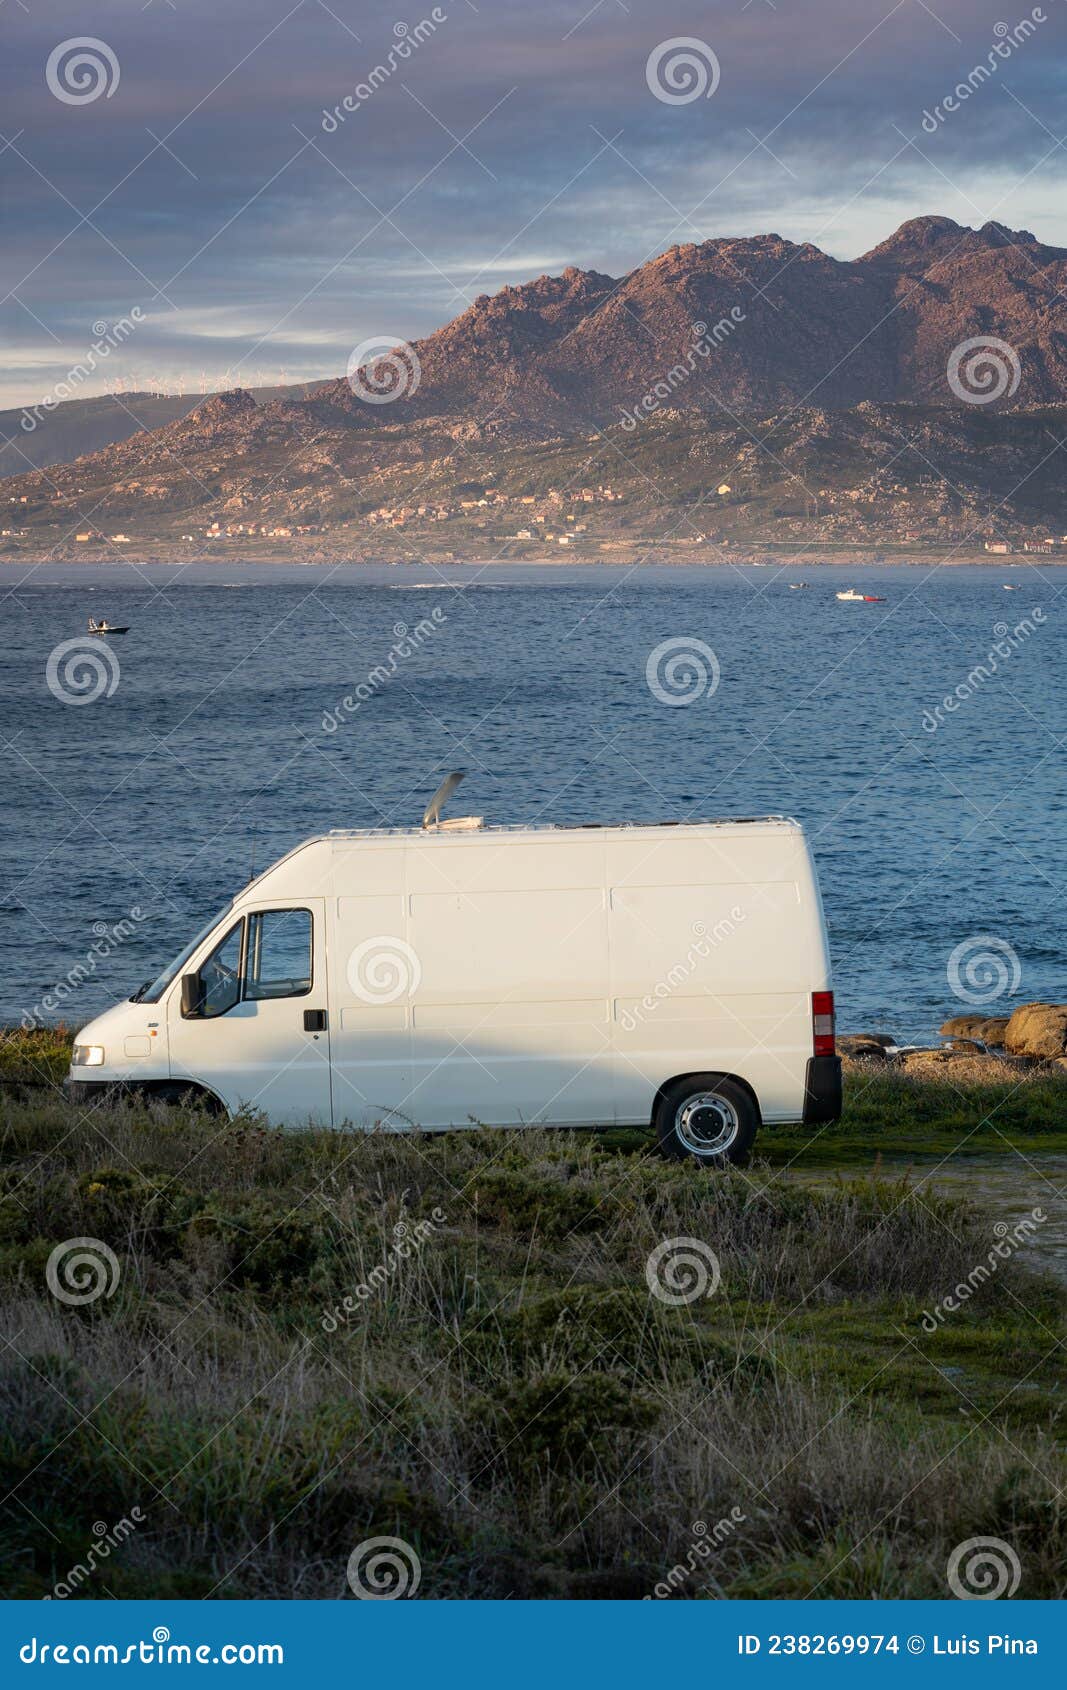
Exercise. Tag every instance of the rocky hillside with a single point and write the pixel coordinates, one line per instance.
(78, 427)
(815, 390)
(875, 475)
(794, 326)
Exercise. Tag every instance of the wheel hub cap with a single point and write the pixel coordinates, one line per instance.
(706, 1124)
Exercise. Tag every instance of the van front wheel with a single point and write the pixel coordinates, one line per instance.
(706, 1119)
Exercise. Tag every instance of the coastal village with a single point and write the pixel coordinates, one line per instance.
(588, 519)
(541, 518)
(873, 481)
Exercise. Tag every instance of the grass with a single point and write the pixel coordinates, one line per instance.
(971, 1104)
(510, 1399)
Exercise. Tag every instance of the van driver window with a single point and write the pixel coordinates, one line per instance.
(220, 975)
(278, 964)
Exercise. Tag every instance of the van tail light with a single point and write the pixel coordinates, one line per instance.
(822, 1023)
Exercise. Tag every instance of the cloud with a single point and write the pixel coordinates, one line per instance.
(256, 239)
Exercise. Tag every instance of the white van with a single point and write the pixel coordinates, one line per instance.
(676, 974)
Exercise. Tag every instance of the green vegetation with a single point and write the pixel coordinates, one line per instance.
(509, 1397)
(34, 1057)
(973, 1106)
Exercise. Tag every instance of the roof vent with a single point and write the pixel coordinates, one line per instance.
(458, 824)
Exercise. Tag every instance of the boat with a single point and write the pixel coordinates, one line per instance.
(1009, 587)
(796, 586)
(860, 598)
(105, 627)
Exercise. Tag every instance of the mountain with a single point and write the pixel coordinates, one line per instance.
(77, 427)
(795, 376)
(794, 326)
(235, 477)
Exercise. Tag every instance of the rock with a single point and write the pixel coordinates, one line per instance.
(857, 1045)
(962, 1024)
(973, 1045)
(1038, 1029)
(990, 1029)
(922, 1061)
(972, 1064)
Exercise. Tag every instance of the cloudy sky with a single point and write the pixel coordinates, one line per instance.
(207, 182)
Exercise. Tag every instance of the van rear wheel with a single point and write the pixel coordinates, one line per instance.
(708, 1119)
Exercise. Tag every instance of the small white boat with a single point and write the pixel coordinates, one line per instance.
(1009, 587)
(105, 627)
(852, 597)
(798, 586)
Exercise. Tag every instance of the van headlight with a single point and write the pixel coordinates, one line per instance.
(87, 1056)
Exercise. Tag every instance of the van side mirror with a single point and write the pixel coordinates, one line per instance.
(192, 994)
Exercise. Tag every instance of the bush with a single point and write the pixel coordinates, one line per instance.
(512, 1400)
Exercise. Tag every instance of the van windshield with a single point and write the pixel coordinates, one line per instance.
(153, 991)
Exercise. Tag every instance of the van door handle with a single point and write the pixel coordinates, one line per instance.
(314, 1020)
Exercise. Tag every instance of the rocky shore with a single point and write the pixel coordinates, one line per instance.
(1033, 1036)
